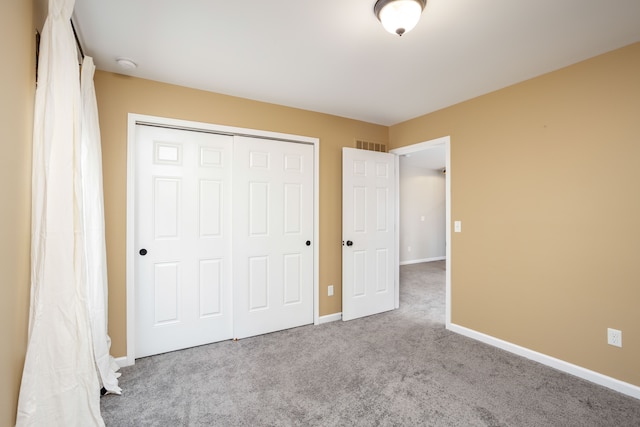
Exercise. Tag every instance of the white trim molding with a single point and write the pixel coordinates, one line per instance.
(123, 361)
(329, 318)
(561, 365)
(419, 261)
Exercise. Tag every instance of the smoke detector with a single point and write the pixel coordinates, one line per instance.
(126, 64)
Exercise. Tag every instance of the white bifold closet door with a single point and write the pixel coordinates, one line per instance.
(222, 225)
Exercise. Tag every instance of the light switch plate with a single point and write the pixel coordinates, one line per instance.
(457, 226)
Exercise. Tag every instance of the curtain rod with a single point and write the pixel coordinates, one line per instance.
(77, 39)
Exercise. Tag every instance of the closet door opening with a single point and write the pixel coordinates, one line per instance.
(224, 238)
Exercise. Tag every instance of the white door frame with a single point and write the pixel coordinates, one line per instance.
(133, 120)
(446, 140)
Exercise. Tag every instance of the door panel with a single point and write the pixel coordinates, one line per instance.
(292, 279)
(368, 223)
(166, 295)
(183, 283)
(210, 287)
(273, 219)
(211, 206)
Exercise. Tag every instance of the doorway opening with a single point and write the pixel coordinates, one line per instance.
(431, 153)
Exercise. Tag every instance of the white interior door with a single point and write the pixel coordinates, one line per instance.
(273, 232)
(182, 239)
(368, 222)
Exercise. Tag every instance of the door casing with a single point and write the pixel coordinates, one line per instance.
(133, 120)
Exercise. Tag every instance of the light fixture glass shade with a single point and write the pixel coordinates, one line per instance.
(399, 16)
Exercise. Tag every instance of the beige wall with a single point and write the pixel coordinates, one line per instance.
(118, 95)
(546, 181)
(17, 88)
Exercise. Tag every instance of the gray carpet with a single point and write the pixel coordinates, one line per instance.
(400, 368)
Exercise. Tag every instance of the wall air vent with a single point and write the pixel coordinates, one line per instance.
(371, 146)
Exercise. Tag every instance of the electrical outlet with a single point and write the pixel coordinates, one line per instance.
(614, 337)
(408, 248)
(330, 290)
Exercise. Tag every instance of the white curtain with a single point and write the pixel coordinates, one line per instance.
(93, 215)
(60, 385)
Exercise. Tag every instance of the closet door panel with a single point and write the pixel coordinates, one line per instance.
(273, 221)
(183, 238)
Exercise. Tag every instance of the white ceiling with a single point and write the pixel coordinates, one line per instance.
(432, 158)
(333, 56)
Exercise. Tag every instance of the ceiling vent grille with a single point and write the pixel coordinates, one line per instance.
(371, 146)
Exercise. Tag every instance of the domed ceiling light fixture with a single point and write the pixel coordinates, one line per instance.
(399, 16)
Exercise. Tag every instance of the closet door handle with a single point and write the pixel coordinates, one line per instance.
(308, 243)
(143, 252)
(349, 243)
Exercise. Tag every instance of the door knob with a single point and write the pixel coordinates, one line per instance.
(349, 243)
(308, 243)
(143, 252)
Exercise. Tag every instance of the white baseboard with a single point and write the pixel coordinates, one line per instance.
(418, 261)
(127, 361)
(561, 365)
(329, 318)
(123, 361)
